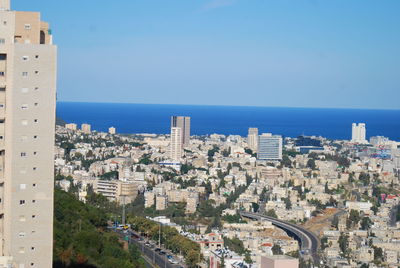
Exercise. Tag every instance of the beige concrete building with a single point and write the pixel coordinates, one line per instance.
(71, 126)
(118, 191)
(27, 122)
(183, 122)
(112, 130)
(175, 146)
(279, 261)
(86, 128)
(252, 139)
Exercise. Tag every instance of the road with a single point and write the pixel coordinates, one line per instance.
(150, 254)
(309, 242)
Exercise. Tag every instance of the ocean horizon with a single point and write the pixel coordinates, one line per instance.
(332, 123)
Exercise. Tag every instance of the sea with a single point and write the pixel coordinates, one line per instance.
(231, 120)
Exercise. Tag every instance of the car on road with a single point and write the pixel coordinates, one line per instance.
(157, 250)
(162, 252)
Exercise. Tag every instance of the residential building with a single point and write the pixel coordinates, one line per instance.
(175, 146)
(269, 147)
(71, 126)
(86, 128)
(182, 122)
(112, 130)
(279, 261)
(358, 133)
(252, 139)
(28, 66)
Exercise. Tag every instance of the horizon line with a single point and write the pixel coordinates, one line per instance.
(244, 106)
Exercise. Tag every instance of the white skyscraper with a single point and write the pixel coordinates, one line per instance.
(28, 66)
(358, 133)
(252, 139)
(269, 147)
(176, 146)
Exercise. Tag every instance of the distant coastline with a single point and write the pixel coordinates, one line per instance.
(206, 119)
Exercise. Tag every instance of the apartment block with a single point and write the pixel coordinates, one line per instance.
(28, 68)
(183, 122)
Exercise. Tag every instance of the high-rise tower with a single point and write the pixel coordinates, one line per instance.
(252, 139)
(176, 146)
(27, 122)
(269, 147)
(358, 133)
(182, 122)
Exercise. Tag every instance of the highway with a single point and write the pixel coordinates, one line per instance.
(151, 256)
(309, 242)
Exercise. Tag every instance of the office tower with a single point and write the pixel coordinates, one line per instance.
(358, 133)
(182, 122)
(112, 130)
(28, 69)
(252, 139)
(86, 128)
(175, 145)
(269, 147)
(71, 126)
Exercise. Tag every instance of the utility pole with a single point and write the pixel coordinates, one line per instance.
(123, 210)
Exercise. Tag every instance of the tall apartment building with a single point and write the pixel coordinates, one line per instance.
(182, 122)
(269, 147)
(358, 133)
(112, 130)
(27, 122)
(86, 128)
(252, 139)
(71, 126)
(175, 145)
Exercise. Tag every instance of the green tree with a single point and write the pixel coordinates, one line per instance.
(272, 213)
(366, 223)
(344, 244)
(276, 249)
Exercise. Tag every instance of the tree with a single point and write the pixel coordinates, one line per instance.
(277, 250)
(272, 213)
(247, 257)
(366, 223)
(353, 219)
(344, 244)
(255, 206)
(311, 164)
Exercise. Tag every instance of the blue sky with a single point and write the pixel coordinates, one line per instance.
(295, 53)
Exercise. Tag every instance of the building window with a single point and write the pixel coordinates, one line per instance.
(24, 73)
(25, 58)
(33, 201)
(34, 153)
(35, 120)
(2, 41)
(34, 168)
(22, 202)
(36, 104)
(36, 88)
(24, 122)
(34, 185)
(22, 186)
(21, 250)
(2, 73)
(33, 216)
(32, 248)
(24, 106)
(23, 154)
(37, 56)
(27, 26)
(36, 72)
(35, 137)
(24, 90)
(21, 234)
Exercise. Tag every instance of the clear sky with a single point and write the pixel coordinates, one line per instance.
(297, 53)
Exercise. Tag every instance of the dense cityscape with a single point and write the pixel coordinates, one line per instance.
(224, 193)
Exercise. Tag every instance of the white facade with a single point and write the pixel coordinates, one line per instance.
(252, 139)
(27, 122)
(112, 130)
(269, 147)
(358, 133)
(175, 146)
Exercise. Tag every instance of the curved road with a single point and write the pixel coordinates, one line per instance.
(309, 242)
